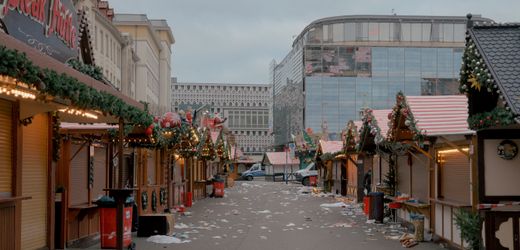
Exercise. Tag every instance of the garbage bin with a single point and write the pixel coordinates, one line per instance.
(418, 223)
(376, 207)
(312, 180)
(107, 219)
(189, 199)
(218, 188)
(366, 205)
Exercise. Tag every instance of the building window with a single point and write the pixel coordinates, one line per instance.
(107, 52)
(101, 41)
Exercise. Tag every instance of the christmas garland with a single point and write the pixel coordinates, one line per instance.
(56, 136)
(475, 76)
(371, 127)
(399, 111)
(497, 117)
(90, 70)
(206, 149)
(349, 142)
(49, 82)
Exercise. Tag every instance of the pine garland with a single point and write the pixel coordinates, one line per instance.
(90, 70)
(497, 117)
(49, 82)
(402, 110)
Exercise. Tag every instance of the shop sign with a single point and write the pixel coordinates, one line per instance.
(50, 26)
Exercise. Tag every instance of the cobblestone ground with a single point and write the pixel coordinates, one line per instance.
(267, 215)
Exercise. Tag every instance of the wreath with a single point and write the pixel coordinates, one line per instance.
(162, 196)
(144, 200)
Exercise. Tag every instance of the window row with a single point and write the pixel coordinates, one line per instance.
(386, 32)
(218, 88)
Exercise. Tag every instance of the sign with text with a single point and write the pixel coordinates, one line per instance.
(50, 26)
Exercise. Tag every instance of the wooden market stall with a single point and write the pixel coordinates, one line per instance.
(350, 137)
(489, 77)
(433, 167)
(279, 163)
(371, 154)
(30, 98)
(331, 165)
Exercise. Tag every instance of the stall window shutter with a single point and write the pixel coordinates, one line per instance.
(6, 143)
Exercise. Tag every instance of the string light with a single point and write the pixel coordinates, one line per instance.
(77, 112)
(14, 88)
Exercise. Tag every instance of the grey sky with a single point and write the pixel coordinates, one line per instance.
(233, 41)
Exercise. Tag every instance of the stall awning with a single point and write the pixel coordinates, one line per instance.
(280, 158)
(381, 116)
(331, 147)
(440, 115)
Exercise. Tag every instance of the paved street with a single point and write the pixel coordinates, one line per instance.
(267, 215)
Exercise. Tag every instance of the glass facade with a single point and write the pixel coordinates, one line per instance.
(337, 91)
(353, 62)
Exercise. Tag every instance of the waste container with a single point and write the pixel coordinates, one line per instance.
(107, 219)
(189, 199)
(418, 223)
(366, 205)
(376, 207)
(312, 180)
(218, 188)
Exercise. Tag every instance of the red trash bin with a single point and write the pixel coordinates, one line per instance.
(189, 199)
(366, 205)
(312, 180)
(218, 189)
(108, 226)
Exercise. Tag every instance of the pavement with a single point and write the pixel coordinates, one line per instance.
(274, 215)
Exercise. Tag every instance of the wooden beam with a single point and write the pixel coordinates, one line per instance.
(420, 150)
(80, 148)
(455, 146)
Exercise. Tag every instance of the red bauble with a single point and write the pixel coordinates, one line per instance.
(149, 131)
(170, 120)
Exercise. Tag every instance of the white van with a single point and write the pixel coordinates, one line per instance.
(304, 173)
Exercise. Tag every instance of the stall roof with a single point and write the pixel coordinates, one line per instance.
(381, 116)
(94, 126)
(279, 158)
(440, 115)
(330, 147)
(500, 48)
(236, 151)
(214, 136)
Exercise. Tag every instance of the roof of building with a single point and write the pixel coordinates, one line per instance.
(330, 147)
(388, 18)
(499, 46)
(440, 115)
(279, 158)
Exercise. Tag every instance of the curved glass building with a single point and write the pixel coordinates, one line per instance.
(339, 65)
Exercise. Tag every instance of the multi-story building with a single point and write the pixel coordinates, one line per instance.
(152, 41)
(247, 108)
(107, 41)
(339, 65)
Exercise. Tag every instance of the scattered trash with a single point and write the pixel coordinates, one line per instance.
(371, 221)
(181, 226)
(163, 239)
(340, 224)
(290, 225)
(338, 204)
(216, 237)
(263, 237)
(224, 220)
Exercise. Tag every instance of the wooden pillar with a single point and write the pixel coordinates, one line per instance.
(119, 200)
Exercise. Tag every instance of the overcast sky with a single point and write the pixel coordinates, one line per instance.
(233, 41)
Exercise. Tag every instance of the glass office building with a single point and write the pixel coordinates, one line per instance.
(340, 65)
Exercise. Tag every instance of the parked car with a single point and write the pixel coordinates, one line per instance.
(304, 173)
(256, 170)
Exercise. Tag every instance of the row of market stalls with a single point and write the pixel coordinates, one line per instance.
(169, 166)
(418, 154)
(66, 138)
